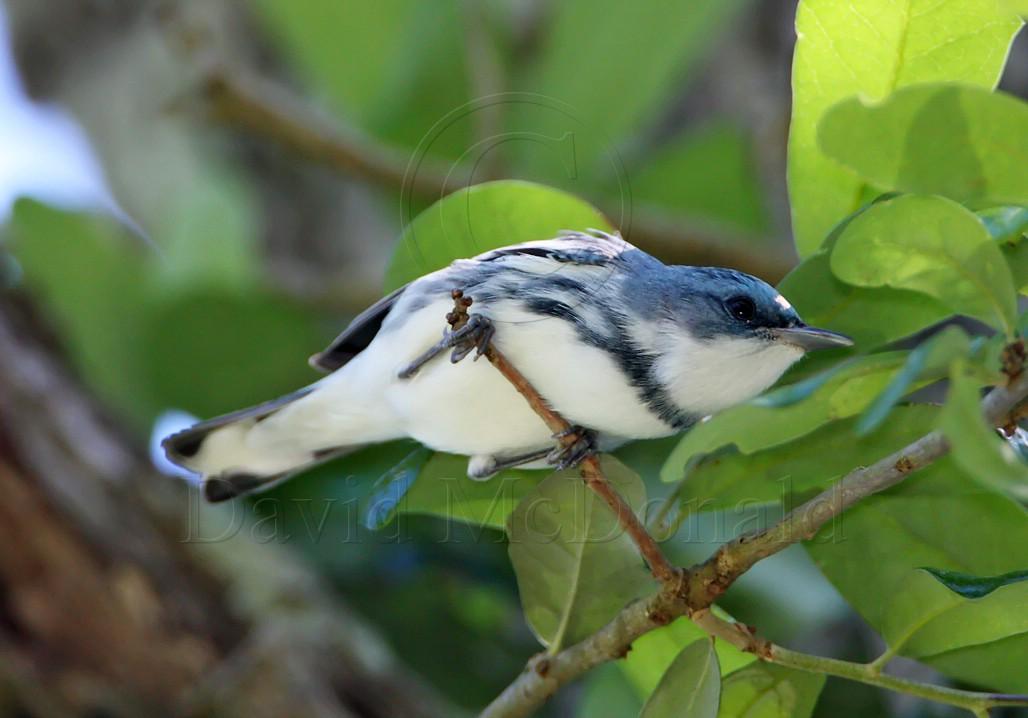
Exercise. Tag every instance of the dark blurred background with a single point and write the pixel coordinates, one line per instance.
(197, 194)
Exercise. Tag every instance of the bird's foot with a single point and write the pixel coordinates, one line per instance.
(478, 332)
(475, 334)
(576, 444)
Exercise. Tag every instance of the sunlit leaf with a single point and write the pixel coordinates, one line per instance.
(576, 568)
(871, 49)
(690, 687)
(931, 245)
(965, 143)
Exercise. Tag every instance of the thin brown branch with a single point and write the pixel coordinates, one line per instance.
(266, 110)
(592, 472)
(701, 585)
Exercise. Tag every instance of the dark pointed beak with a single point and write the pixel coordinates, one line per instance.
(811, 338)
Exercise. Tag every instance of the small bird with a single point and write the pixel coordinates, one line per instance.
(621, 345)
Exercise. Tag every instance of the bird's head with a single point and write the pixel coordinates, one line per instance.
(735, 336)
(726, 304)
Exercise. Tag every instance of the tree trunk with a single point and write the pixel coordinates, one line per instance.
(106, 610)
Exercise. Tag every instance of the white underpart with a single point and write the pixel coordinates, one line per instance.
(708, 376)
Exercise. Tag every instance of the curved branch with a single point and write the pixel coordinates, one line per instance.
(695, 590)
(263, 108)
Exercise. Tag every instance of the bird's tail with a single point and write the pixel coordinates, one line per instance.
(250, 450)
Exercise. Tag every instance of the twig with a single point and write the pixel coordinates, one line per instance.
(265, 109)
(745, 638)
(591, 470)
(701, 585)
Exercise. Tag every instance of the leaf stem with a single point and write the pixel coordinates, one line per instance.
(978, 703)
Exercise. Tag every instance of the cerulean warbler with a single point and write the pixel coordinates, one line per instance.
(613, 339)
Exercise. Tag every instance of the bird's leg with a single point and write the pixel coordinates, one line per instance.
(576, 444)
(486, 467)
(474, 335)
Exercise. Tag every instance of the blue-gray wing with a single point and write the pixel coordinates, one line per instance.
(591, 249)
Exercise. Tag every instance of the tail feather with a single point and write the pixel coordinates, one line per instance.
(233, 466)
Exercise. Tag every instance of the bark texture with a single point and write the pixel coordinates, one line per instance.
(105, 610)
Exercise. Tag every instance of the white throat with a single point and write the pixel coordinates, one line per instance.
(706, 376)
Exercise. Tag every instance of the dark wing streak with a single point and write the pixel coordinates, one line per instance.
(357, 335)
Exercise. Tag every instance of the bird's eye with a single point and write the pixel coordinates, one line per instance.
(742, 308)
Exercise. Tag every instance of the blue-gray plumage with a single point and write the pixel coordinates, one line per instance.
(614, 339)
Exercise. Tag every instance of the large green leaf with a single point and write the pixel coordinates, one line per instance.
(765, 690)
(872, 48)
(653, 652)
(871, 316)
(932, 245)
(751, 427)
(924, 618)
(606, 69)
(483, 217)
(976, 447)
(939, 517)
(787, 472)
(965, 143)
(576, 568)
(690, 687)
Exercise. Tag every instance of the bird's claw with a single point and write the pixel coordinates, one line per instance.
(475, 335)
(577, 444)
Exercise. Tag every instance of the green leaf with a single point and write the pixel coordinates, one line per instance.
(925, 618)
(975, 586)
(965, 143)
(752, 427)
(938, 517)
(764, 690)
(787, 472)
(616, 82)
(709, 173)
(873, 48)
(575, 566)
(930, 359)
(690, 687)
(871, 316)
(931, 245)
(976, 446)
(443, 489)
(653, 652)
(483, 217)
